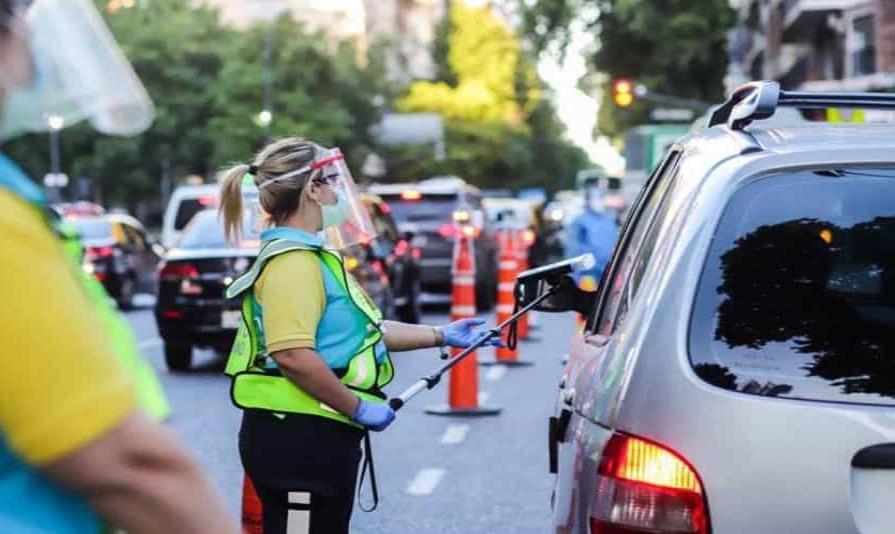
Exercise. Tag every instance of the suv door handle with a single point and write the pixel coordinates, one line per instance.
(875, 457)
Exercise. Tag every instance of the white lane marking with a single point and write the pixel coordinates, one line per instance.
(483, 397)
(495, 373)
(425, 481)
(149, 343)
(454, 434)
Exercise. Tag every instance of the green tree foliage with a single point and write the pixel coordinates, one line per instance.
(675, 47)
(500, 130)
(206, 83)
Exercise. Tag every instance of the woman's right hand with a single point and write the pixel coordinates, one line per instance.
(373, 415)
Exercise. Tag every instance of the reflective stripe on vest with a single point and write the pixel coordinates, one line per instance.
(256, 387)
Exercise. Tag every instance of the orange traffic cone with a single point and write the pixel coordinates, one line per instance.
(508, 269)
(463, 390)
(251, 508)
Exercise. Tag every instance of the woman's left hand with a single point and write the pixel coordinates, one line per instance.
(465, 332)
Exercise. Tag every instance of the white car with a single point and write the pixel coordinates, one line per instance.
(187, 201)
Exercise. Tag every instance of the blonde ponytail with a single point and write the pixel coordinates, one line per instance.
(231, 201)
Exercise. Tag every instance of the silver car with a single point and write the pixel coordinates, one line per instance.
(737, 369)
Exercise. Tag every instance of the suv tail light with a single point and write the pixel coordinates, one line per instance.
(177, 271)
(449, 231)
(645, 487)
(95, 253)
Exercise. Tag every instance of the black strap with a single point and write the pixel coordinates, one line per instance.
(513, 335)
(368, 464)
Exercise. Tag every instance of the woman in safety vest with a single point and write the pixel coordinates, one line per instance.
(312, 355)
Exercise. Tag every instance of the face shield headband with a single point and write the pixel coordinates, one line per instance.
(314, 166)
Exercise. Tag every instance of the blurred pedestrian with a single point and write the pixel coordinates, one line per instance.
(594, 231)
(312, 356)
(76, 448)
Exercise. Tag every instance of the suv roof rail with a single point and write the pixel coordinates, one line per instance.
(759, 100)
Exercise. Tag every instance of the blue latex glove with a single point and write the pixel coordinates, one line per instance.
(463, 333)
(373, 415)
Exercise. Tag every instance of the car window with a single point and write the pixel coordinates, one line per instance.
(207, 231)
(91, 227)
(120, 235)
(797, 296)
(185, 211)
(134, 236)
(424, 209)
(626, 256)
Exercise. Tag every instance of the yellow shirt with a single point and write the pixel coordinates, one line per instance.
(291, 294)
(61, 385)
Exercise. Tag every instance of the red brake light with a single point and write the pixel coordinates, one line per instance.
(385, 208)
(645, 487)
(208, 200)
(177, 271)
(447, 231)
(410, 194)
(401, 248)
(95, 253)
(416, 253)
(172, 314)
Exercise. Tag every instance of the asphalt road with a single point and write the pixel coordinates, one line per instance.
(436, 474)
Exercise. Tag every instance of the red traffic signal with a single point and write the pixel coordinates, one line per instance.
(622, 92)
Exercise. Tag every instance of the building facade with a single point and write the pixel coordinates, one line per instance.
(824, 45)
(405, 28)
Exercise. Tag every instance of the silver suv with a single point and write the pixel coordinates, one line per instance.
(737, 369)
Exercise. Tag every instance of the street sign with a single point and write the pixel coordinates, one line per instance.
(672, 114)
(58, 179)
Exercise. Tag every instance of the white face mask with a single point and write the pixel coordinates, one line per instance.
(595, 201)
(335, 214)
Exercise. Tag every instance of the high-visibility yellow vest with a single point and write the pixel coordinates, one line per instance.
(258, 386)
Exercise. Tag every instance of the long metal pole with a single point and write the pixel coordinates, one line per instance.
(432, 380)
(55, 162)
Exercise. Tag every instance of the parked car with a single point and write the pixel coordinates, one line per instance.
(119, 253)
(187, 201)
(425, 211)
(735, 373)
(191, 310)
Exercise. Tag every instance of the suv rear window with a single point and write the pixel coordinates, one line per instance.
(426, 208)
(797, 298)
(207, 231)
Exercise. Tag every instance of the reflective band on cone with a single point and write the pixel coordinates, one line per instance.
(251, 508)
(506, 281)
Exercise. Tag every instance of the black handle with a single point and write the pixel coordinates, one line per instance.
(395, 403)
(875, 457)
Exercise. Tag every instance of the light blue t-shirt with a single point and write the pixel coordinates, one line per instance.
(343, 327)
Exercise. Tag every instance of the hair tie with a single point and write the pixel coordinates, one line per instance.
(253, 169)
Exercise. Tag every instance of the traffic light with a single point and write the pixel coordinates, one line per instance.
(622, 92)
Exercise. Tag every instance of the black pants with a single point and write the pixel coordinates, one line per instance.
(304, 469)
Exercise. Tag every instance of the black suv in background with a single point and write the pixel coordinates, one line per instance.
(424, 213)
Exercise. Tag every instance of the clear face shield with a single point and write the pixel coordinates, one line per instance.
(77, 72)
(346, 220)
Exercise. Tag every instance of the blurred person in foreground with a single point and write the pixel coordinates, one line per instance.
(594, 231)
(77, 452)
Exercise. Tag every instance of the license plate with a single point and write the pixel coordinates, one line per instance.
(231, 319)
